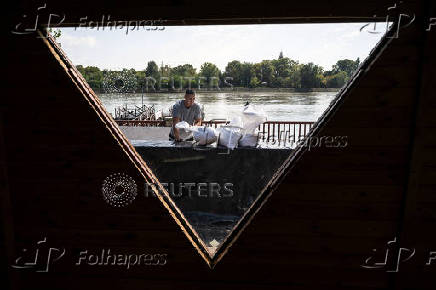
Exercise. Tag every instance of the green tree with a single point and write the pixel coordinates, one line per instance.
(209, 70)
(254, 82)
(56, 33)
(346, 65)
(280, 72)
(311, 75)
(247, 73)
(165, 71)
(92, 75)
(81, 69)
(120, 81)
(234, 70)
(181, 72)
(294, 80)
(265, 72)
(283, 68)
(337, 80)
(186, 70)
(140, 80)
(152, 70)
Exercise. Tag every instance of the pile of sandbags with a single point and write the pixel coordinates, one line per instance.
(204, 135)
(241, 131)
(252, 117)
(201, 135)
(231, 134)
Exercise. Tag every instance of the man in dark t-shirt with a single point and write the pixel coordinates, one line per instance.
(185, 110)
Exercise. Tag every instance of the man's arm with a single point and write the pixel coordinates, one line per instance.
(197, 120)
(175, 130)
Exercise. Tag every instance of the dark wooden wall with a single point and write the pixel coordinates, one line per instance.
(189, 12)
(315, 230)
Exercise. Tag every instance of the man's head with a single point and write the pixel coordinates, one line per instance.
(189, 98)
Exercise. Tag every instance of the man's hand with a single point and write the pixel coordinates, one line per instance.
(197, 122)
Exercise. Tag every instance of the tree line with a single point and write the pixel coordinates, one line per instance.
(282, 72)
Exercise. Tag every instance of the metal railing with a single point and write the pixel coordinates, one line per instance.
(141, 123)
(269, 131)
(215, 123)
(288, 131)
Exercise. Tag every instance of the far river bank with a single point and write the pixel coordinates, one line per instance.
(278, 105)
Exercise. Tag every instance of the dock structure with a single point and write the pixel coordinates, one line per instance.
(314, 226)
(139, 113)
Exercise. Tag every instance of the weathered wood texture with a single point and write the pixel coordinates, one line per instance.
(195, 12)
(315, 230)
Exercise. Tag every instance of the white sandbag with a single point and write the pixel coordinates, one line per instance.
(252, 117)
(184, 130)
(237, 122)
(248, 140)
(204, 135)
(229, 136)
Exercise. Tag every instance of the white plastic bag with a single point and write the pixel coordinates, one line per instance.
(184, 130)
(229, 136)
(237, 122)
(248, 140)
(252, 117)
(204, 135)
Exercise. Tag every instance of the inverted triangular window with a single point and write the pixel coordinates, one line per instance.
(212, 190)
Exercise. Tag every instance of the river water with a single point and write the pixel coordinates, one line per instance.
(279, 106)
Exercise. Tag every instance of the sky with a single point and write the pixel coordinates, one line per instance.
(322, 44)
